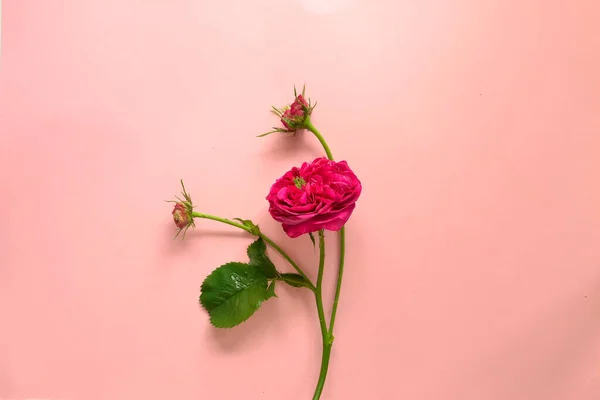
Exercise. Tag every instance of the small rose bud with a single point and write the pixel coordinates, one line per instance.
(294, 117)
(181, 216)
(183, 212)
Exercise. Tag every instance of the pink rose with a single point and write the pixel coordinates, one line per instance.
(318, 195)
(293, 117)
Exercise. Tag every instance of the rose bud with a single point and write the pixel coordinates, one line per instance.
(181, 216)
(294, 117)
(183, 212)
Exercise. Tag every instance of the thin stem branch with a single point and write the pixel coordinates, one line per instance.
(320, 137)
(319, 292)
(324, 333)
(327, 345)
(339, 279)
(263, 236)
(223, 220)
(288, 258)
(338, 288)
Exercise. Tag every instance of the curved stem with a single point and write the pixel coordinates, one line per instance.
(327, 342)
(263, 236)
(288, 258)
(339, 279)
(319, 292)
(327, 348)
(338, 288)
(314, 130)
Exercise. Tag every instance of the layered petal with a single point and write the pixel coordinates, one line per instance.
(318, 195)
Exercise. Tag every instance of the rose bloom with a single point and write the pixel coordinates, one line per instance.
(318, 195)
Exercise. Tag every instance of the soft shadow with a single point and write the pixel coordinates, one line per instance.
(302, 295)
(285, 145)
(173, 246)
(198, 233)
(5, 381)
(249, 332)
(266, 319)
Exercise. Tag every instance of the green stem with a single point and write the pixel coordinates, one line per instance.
(223, 220)
(314, 130)
(327, 338)
(327, 348)
(323, 373)
(339, 279)
(263, 236)
(288, 258)
(338, 288)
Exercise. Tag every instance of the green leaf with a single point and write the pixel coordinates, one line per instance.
(295, 280)
(232, 293)
(259, 259)
(271, 291)
(257, 249)
(253, 228)
(312, 239)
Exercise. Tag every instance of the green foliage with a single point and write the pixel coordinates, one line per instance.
(232, 293)
(295, 280)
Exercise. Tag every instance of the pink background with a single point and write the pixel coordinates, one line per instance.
(474, 255)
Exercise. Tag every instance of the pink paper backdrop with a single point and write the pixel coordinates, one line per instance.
(474, 255)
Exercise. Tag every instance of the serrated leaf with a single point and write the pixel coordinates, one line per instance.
(257, 249)
(295, 280)
(259, 259)
(271, 291)
(232, 293)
